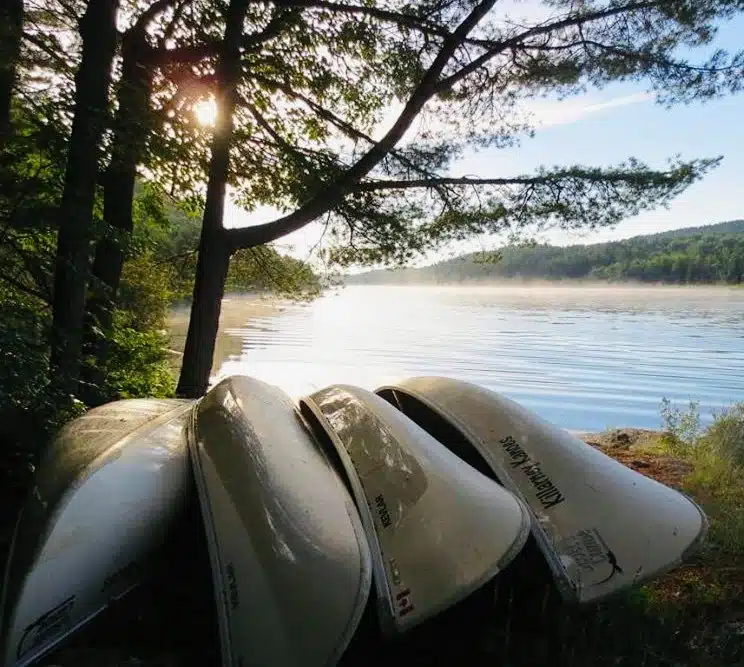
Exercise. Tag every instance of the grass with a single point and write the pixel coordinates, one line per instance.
(716, 480)
(704, 598)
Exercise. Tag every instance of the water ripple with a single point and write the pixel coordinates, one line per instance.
(582, 358)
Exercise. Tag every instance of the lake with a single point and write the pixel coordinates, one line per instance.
(585, 358)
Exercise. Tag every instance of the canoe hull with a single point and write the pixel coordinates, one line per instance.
(109, 488)
(438, 529)
(290, 563)
(601, 526)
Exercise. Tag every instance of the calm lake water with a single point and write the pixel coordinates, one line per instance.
(585, 358)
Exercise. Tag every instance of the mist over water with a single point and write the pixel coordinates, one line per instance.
(585, 358)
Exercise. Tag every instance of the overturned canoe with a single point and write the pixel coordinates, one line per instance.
(438, 529)
(290, 562)
(107, 490)
(601, 526)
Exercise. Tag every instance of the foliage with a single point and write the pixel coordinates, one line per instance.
(717, 456)
(726, 434)
(681, 427)
(30, 176)
(707, 256)
(138, 363)
(264, 269)
(145, 293)
(24, 398)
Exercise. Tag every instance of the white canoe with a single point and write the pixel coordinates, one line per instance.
(601, 526)
(290, 562)
(438, 528)
(106, 492)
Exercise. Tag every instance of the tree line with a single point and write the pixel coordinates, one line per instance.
(318, 104)
(679, 257)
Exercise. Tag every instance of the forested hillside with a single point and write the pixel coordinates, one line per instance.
(696, 255)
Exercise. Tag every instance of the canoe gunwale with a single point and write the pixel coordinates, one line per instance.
(210, 530)
(384, 594)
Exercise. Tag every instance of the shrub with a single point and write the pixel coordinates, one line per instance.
(681, 426)
(717, 477)
(138, 362)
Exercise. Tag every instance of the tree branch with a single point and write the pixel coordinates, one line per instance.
(144, 20)
(393, 184)
(499, 47)
(408, 20)
(273, 28)
(331, 195)
(45, 298)
(344, 126)
(187, 54)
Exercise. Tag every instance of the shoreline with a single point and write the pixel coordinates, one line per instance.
(237, 311)
(560, 284)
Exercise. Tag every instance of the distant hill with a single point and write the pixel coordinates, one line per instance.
(730, 227)
(696, 255)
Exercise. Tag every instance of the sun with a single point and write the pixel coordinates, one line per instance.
(206, 112)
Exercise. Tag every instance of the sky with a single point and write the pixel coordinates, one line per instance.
(602, 128)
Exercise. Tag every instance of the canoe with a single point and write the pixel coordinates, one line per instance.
(601, 526)
(438, 529)
(290, 563)
(107, 490)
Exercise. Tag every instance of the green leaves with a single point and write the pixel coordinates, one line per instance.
(397, 222)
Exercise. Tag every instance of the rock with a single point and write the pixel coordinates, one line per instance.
(621, 438)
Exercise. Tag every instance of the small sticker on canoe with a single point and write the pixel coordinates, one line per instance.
(592, 556)
(394, 571)
(404, 602)
(382, 511)
(232, 585)
(47, 627)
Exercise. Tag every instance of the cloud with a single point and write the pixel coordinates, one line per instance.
(547, 113)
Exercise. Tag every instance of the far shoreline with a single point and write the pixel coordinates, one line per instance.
(567, 284)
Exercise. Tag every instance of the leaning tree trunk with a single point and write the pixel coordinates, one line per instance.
(214, 249)
(92, 81)
(131, 129)
(11, 32)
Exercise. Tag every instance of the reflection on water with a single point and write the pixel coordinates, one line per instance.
(584, 358)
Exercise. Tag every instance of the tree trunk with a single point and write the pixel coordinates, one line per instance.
(131, 129)
(214, 249)
(11, 32)
(209, 286)
(98, 31)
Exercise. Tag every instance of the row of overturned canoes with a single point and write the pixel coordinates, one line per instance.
(409, 499)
